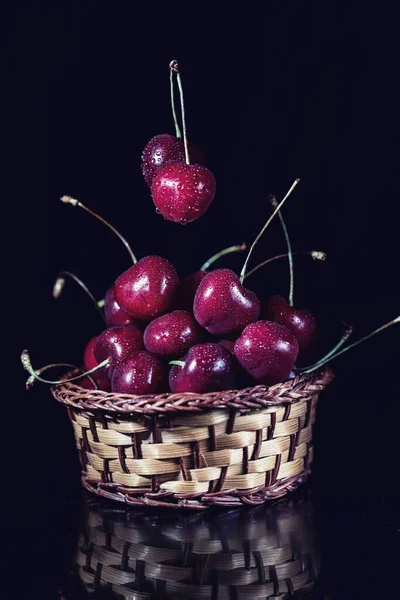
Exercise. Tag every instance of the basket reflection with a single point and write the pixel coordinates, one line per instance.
(266, 551)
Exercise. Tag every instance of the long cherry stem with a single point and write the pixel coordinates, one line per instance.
(243, 271)
(174, 67)
(74, 202)
(315, 254)
(363, 339)
(331, 352)
(60, 283)
(274, 203)
(26, 363)
(210, 261)
(171, 85)
(180, 363)
(31, 379)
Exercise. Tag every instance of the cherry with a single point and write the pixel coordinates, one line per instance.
(267, 351)
(162, 149)
(100, 377)
(205, 368)
(148, 288)
(223, 306)
(172, 334)
(188, 288)
(299, 321)
(182, 192)
(117, 343)
(140, 373)
(113, 313)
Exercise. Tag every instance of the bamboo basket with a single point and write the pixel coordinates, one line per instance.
(195, 451)
(255, 553)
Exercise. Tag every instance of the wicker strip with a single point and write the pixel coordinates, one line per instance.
(238, 554)
(236, 447)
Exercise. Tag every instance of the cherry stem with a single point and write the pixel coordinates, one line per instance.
(274, 203)
(210, 261)
(180, 363)
(315, 254)
(324, 358)
(171, 84)
(74, 202)
(31, 380)
(26, 363)
(363, 339)
(277, 209)
(60, 283)
(174, 67)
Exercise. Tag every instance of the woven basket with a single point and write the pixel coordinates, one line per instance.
(255, 553)
(194, 451)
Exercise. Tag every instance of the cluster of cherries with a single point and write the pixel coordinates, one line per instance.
(205, 329)
(206, 332)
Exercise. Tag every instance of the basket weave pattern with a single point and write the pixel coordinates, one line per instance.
(191, 451)
(253, 555)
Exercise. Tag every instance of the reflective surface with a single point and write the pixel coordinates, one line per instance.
(243, 553)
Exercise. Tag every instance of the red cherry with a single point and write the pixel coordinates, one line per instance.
(300, 322)
(267, 351)
(101, 376)
(140, 373)
(113, 313)
(182, 192)
(188, 288)
(117, 343)
(162, 149)
(207, 368)
(172, 334)
(148, 288)
(222, 305)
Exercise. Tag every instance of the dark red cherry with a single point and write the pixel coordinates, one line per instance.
(113, 313)
(163, 148)
(188, 288)
(267, 351)
(148, 288)
(300, 322)
(181, 192)
(118, 343)
(101, 376)
(207, 368)
(172, 335)
(140, 373)
(223, 306)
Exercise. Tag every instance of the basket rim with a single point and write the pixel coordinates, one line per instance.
(290, 391)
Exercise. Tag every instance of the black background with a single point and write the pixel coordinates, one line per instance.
(304, 89)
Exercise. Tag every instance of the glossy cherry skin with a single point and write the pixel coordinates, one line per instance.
(182, 193)
(300, 322)
(208, 368)
(101, 376)
(140, 373)
(113, 313)
(117, 343)
(188, 288)
(267, 351)
(223, 306)
(172, 335)
(148, 288)
(163, 148)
